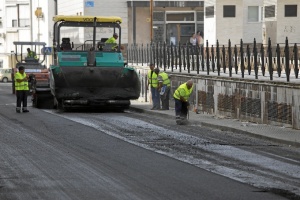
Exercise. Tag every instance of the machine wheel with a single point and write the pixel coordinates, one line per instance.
(5, 80)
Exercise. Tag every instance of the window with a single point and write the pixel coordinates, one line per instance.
(209, 12)
(200, 16)
(228, 11)
(253, 13)
(24, 22)
(270, 11)
(290, 11)
(14, 23)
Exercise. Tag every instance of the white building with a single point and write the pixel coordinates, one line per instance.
(171, 20)
(240, 19)
(24, 20)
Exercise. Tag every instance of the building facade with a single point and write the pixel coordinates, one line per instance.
(24, 20)
(170, 21)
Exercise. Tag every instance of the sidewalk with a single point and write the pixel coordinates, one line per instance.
(276, 133)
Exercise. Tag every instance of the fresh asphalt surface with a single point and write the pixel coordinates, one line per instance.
(52, 155)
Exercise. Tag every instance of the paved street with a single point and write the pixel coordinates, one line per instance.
(46, 154)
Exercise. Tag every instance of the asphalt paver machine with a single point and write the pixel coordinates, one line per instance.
(87, 71)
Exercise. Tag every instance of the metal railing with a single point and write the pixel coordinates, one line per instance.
(239, 59)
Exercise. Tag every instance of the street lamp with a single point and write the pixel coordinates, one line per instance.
(39, 14)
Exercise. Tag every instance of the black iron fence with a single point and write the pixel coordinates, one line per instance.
(272, 60)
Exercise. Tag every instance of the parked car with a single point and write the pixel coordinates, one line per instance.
(5, 75)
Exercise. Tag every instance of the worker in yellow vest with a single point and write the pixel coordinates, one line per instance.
(164, 86)
(181, 96)
(21, 87)
(31, 54)
(153, 84)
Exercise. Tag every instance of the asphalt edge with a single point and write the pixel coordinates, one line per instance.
(220, 127)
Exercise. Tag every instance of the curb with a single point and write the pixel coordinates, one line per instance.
(220, 127)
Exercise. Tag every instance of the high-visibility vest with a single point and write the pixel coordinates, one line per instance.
(112, 40)
(21, 85)
(31, 54)
(183, 91)
(152, 79)
(165, 77)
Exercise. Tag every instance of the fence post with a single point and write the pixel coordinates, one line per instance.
(156, 55)
(262, 52)
(202, 57)
(207, 58)
(165, 56)
(147, 53)
(197, 57)
(160, 55)
(180, 61)
(138, 54)
(270, 59)
(142, 54)
(213, 58)
(296, 68)
(169, 56)
(224, 58)
(146, 79)
(218, 57)
(255, 59)
(127, 53)
(242, 59)
(150, 53)
(172, 57)
(278, 60)
(249, 59)
(287, 60)
(229, 58)
(188, 57)
(235, 60)
(193, 53)
(134, 54)
(176, 56)
(184, 57)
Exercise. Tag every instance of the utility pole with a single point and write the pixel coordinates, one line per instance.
(151, 20)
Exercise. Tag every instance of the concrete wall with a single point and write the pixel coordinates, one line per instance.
(260, 102)
(288, 26)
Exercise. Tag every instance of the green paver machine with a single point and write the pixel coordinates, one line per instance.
(86, 70)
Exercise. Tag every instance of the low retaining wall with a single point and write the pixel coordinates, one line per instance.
(273, 103)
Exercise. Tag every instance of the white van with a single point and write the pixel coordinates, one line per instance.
(5, 75)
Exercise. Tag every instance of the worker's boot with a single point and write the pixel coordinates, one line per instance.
(25, 110)
(18, 109)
